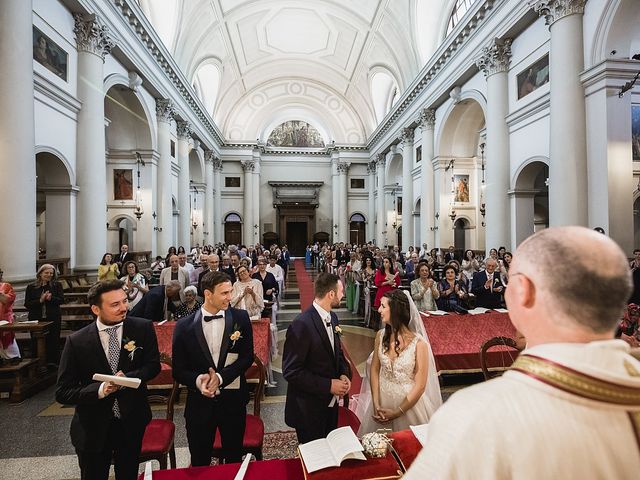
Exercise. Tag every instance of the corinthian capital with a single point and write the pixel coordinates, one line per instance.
(248, 165)
(427, 119)
(91, 35)
(164, 110)
(406, 136)
(371, 167)
(217, 163)
(343, 168)
(554, 10)
(209, 156)
(495, 57)
(381, 159)
(184, 130)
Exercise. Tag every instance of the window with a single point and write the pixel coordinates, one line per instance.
(232, 182)
(458, 12)
(173, 149)
(357, 183)
(419, 154)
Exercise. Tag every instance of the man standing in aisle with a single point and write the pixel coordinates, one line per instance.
(109, 421)
(569, 407)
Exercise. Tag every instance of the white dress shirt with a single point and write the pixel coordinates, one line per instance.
(326, 317)
(213, 332)
(104, 341)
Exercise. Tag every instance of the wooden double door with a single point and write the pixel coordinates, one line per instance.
(296, 226)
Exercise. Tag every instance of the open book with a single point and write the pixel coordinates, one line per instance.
(478, 311)
(341, 444)
(129, 382)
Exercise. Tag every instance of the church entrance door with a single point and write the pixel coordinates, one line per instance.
(297, 238)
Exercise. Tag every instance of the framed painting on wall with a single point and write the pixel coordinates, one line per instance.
(122, 184)
(461, 185)
(48, 54)
(533, 77)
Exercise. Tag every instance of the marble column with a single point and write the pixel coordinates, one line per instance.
(371, 221)
(406, 140)
(494, 63)
(248, 166)
(217, 201)
(17, 137)
(568, 142)
(427, 121)
(256, 198)
(335, 194)
(343, 214)
(164, 221)
(208, 225)
(94, 44)
(381, 230)
(183, 130)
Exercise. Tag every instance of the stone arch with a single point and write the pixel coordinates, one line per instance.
(462, 120)
(286, 114)
(232, 227)
(617, 29)
(357, 228)
(206, 80)
(462, 227)
(385, 92)
(530, 198)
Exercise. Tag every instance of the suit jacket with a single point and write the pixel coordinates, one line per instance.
(192, 357)
(486, 298)
(229, 271)
(183, 278)
(128, 257)
(83, 356)
(309, 364)
(151, 306)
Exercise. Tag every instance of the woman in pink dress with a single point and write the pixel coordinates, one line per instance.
(8, 346)
(386, 279)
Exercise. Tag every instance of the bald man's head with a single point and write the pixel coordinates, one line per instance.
(579, 273)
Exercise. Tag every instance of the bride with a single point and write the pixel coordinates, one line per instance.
(403, 389)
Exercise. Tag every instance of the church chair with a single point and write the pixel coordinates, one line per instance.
(158, 439)
(254, 430)
(494, 342)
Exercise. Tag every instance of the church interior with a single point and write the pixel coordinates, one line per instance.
(406, 124)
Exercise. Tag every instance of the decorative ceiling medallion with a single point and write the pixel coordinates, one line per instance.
(295, 133)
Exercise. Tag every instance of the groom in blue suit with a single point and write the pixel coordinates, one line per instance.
(212, 350)
(314, 365)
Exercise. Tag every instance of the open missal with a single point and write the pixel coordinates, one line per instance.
(341, 444)
(129, 382)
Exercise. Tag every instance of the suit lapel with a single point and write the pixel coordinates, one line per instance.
(322, 331)
(127, 334)
(224, 345)
(94, 338)
(202, 341)
(336, 337)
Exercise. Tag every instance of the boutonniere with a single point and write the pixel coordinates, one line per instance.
(338, 330)
(130, 346)
(235, 336)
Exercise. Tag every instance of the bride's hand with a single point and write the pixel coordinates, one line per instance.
(386, 415)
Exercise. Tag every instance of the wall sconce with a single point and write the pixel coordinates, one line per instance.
(452, 215)
(138, 210)
(483, 209)
(194, 225)
(435, 227)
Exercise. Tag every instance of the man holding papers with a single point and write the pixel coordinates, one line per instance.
(109, 420)
(212, 350)
(314, 365)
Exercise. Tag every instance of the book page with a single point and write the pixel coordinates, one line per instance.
(420, 432)
(317, 455)
(344, 444)
(128, 382)
(501, 310)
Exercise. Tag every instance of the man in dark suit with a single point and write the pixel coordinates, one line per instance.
(228, 262)
(212, 350)
(124, 256)
(487, 286)
(314, 366)
(157, 304)
(213, 264)
(109, 421)
(450, 255)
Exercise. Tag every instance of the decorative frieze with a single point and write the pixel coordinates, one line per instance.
(495, 57)
(91, 35)
(554, 10)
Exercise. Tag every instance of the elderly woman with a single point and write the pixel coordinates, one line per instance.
(424, 290)
(134, 282)
(43, 299)
(8, 345)
(247, 294)
(190, 304)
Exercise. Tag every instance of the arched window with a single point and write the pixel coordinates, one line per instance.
(232, 217)
(357, 229)
(206, 83)
(384, 93)
(458, 12)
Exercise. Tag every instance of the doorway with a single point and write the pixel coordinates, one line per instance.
(233, 229)
(297, 238)
(459, 234)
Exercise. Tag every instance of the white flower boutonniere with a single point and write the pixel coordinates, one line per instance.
(235, 336)
(338, 330)
(131, 347)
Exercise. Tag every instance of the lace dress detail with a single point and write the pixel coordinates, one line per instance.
(397, 378)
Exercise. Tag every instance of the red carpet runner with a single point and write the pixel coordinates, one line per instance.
(305, 286)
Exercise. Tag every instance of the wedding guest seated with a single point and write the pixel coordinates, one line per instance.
(452, 291)
(424, 290)
(134, 282)
(247, 294)
(190, 304)
(487, 286)
(175, 272)
(410, 267)
(160, 303)
(470, 264)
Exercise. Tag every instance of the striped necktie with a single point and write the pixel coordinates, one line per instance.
(114, 357)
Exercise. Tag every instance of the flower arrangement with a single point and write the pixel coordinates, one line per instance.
(130, 346)
(375, 444)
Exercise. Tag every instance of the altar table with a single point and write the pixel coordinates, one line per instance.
(289, 469)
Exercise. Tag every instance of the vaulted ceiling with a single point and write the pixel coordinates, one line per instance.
(282, 60)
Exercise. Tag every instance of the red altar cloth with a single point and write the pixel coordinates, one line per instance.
(289, 469)
(456, 340)
(262, 339)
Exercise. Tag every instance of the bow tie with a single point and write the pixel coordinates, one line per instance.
(328, 323)
(208, 318)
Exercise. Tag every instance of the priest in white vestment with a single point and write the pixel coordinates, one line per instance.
(570, 405)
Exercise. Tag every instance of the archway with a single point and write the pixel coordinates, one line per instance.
(357, 229)
(129, 147)
(233, 229)
(56, 197)
(460, 234)
(530, 200)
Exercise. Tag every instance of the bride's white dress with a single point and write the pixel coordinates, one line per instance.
(397, 378)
